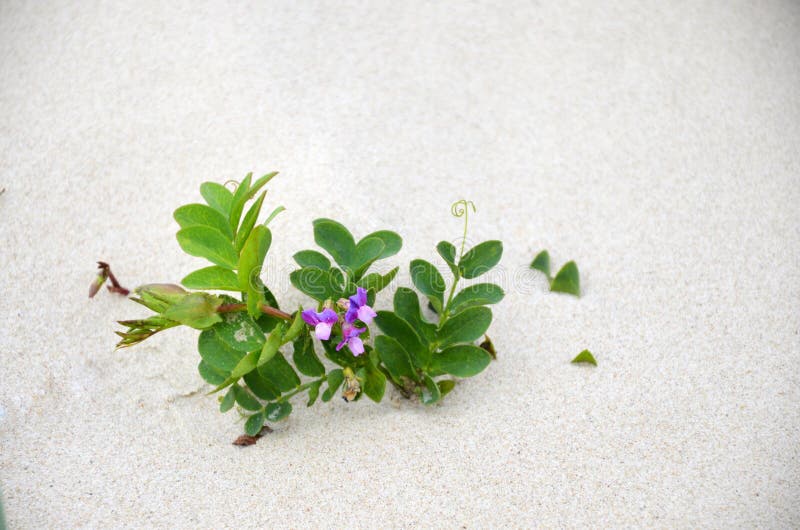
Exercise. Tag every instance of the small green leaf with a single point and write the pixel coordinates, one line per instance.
(228, 401)
(446, 386)
(567, 280)
(480, 258)
(448, 253)
(280, 373)
(395, 358)
(375, 282)
(297, 326)
(217, 196)
(400, 330)
(260, 386)
(335, 380)
(476, 294)
(202, 215)
(368, 251)
(462, 361)
(197, 310)
(277, 411)
(374, 383)
(305, 358)
(213, 277)
(337, 240)
(542, 262)
(249, 222)
(406, 306)
(466, 326)
(317, 283)
(246, 400)
(216, 353)
(429, 392)
(274, 214)
(210, 374)
(271, 345)
(254, 424)
(392, 242)
(312, 258)
(239, 198)
(205, 242)
(585, 357)
(250, 263)
(245, 366)
(429, 281)
(313, 393)
(239, 331)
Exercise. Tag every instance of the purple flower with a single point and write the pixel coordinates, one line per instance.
(322, 322)
(350, 338)
(359, 310)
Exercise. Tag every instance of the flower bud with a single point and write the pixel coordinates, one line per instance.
(160, 296)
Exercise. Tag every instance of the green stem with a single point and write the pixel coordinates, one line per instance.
(301, 388)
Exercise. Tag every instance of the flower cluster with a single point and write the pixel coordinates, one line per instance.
(356, 309)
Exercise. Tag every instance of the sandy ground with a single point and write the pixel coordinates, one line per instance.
(658, 145)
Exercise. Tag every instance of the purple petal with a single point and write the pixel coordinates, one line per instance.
(366, 314)
(356, 346)
(329, 316)
(352, 314)
(323, 330)
(310, 317)
(360, 298)
(341, 344)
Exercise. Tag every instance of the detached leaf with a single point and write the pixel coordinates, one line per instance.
(202, 215)
(480, 258)
(312, 258)
(429, 281)
(213, 277)
(542, 263)
(462, 361)
(277, 411)
(217, 196)
(335, 380)
(466, 326)
(477, 294)
(567, 280)
(337, 240)
(206, 242)
(585, 357)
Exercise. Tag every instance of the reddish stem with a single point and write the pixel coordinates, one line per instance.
(267, 310)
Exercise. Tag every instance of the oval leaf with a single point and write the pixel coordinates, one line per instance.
(249, 222)
(395, 358)
(467, 326)
(429, 281)
(477, 294)
(462, 361)
(480, 258)
(305, 358)
(277, 411)
(206, 242)
(202, 215)
(217, 196)
(400, 330)
(392, 242)
(335, 380)
(312, 258)
(336, 240)
(213, 277)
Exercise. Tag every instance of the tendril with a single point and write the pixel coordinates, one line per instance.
(234, 184)
(461, 209)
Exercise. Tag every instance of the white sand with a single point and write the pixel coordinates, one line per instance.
(659, 146)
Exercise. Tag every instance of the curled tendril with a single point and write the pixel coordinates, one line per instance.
(233, 183)
(461, 209)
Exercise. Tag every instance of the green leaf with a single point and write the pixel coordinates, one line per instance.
(335, 380)
(462, 361)
(429, 392)
(476, 294)
(336, 240)
(202, 215)
(280, 373)
(197, 310)
(254, 424)
(239, 331)
(246, 400)
(567, 280)
(368, 251)
(480, 258)
(400, 330)
(260, 386)
(374, 383)
(312, 258)
(216, 353)
(542, 262)
(395, 358)
(392, 242)
(249, 222)
(239, 198)
(205, 242)
(213, 277)
(466, 326)
(445, 386)
(317, 283)
(277, 411)
(217, 196)
(406, 306)
(429, 281)
(376, 282)
(245, 366)
(228, 401)
(313, 393)
(448, 253)
(250, 263)
(585, 357)
(274, 214)
(271, 345)
(305, 358)
(210, 374)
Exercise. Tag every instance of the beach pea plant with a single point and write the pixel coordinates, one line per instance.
(263, 360)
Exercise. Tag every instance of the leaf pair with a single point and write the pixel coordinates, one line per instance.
(566, 281)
